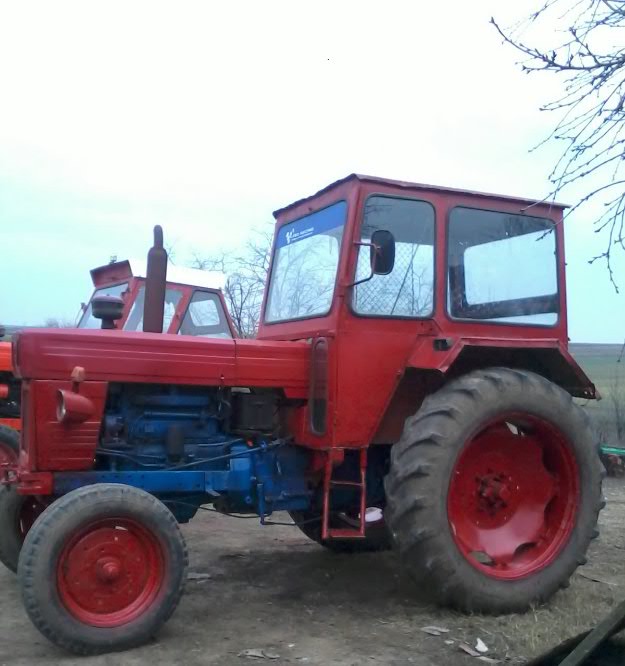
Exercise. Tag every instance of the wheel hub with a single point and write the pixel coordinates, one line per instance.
(512, 497)
(110, 572)
(493, 491)
(108, 569)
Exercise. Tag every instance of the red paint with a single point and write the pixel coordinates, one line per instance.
(54, 446)
(513, 498)
(110, 572)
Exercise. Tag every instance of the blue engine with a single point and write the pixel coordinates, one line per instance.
(180, 444)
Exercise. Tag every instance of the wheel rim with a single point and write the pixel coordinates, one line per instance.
(513, 496)
(8, 456)
(110, 572)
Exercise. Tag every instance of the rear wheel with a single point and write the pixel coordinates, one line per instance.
(9, 445)
(376, 538)
(513, 459)
(102, 569)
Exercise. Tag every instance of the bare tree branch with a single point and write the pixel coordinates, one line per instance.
(246, 273)
(591, 110)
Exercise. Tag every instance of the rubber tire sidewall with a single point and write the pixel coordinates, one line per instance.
(10, 536)
(37, 569)
(451, 577)
(10, 438)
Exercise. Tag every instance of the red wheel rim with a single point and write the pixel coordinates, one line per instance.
(513, 497)
(8, 455)
(110, 572)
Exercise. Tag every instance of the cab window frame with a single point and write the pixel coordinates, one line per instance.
(224, 320)
(435, 238)
(341, 250)
(494, 322)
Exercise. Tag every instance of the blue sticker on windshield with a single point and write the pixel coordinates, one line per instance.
(311, 225)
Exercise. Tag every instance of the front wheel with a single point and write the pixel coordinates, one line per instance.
(102, 569)
(494, 491)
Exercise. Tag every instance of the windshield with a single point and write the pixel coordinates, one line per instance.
(88, 320)
(135, 318)
(305, 264)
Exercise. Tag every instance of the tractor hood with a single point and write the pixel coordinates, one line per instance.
(151, 358)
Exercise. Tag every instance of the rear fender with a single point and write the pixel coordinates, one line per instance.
(548, 358)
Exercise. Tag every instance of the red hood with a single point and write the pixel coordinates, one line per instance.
(119, 356)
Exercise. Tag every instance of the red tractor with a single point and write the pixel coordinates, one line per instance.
(410, 387)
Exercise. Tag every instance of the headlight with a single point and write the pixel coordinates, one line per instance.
(72, 407)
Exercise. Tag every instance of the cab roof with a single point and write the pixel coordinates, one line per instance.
(406, 185)
(123, 270)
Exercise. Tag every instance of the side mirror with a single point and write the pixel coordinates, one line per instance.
(108, 309)
(382, 252)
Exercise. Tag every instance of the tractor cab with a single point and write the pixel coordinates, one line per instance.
(194, 303)
(399, 284)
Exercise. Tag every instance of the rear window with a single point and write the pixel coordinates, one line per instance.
(502, 267)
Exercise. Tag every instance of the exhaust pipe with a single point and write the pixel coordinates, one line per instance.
(155, 285)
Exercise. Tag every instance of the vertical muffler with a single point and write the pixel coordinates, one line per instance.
(155, 285)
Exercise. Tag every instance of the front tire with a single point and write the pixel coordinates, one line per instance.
(494, 491)
(102, 569)
(9, 445)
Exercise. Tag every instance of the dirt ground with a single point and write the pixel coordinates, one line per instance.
(270, 589)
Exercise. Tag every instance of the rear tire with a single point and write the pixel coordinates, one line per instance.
(102, 569)
(494, 491)
(377, 536)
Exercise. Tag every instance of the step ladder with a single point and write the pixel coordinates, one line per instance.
(329, 483)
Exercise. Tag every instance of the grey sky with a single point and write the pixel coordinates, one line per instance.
(204, 117)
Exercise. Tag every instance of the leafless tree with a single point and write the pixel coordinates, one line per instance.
(591, 110)
(246, 272)
(55, 322)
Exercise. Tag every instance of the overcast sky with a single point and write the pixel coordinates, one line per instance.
(205, 117)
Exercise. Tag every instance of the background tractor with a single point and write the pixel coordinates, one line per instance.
(410, 386)
(194, 305)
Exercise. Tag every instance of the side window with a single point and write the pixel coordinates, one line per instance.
(502, 267)
(135, 318)
(205, 317)
(408, 291)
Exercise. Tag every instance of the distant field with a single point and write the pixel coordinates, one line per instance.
(601, 363)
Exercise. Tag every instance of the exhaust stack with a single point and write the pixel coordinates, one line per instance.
(155, 285)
